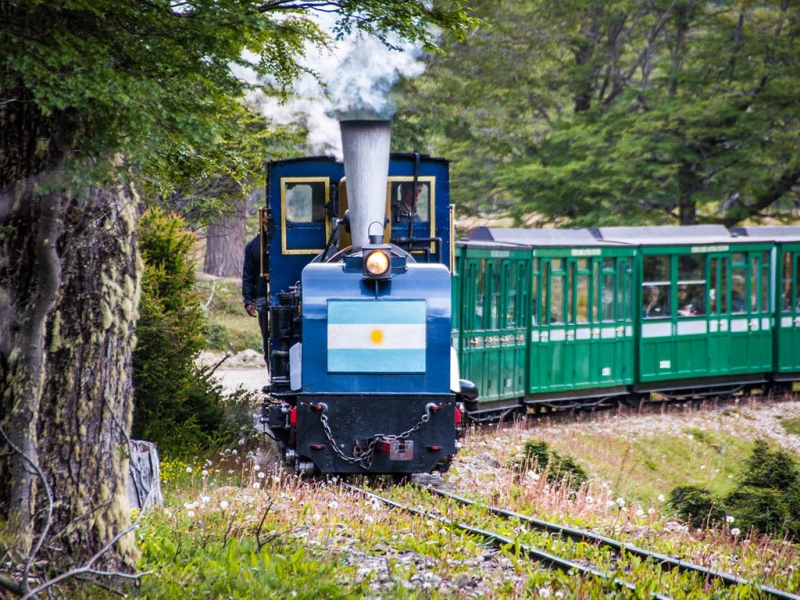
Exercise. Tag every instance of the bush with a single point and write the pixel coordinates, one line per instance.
(763, 510)
(696, 506)
(177, 405)
(537, 454)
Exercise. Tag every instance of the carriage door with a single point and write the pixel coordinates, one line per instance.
(304, 227)
(513, 301)
(788, 346)
(719, 349)
(473, 332)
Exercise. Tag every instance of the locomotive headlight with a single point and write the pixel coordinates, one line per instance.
(377, 263)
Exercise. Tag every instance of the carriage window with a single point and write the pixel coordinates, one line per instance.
(626, 300)
(691, 286)
(765, 262)
(557, 298)
(479, 295)
(596, 292)
(545, 303)
(305, 202)
(583, 299)
(608, 297)
(656, 288)
(511, 302)
(496, 292)
(738, 291)
(786, 284)
(656, 268)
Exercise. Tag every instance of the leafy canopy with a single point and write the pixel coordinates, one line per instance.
(109, 76)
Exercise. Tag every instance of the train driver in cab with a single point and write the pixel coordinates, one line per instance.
(406, 208)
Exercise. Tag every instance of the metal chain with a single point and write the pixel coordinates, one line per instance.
(364, 458)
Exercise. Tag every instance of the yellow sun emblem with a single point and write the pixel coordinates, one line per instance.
(376, 336)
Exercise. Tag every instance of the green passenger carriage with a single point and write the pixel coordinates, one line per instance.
(709, 329)
(786, 291)
(547, 317)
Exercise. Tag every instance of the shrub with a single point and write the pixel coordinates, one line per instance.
(696, 506)
(537, 454)
(774, 469)
(177, 406)
(763, 510)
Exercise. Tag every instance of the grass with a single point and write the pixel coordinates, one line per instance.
(236, 527)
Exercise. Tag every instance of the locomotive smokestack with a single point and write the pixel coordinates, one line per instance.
(365, 145)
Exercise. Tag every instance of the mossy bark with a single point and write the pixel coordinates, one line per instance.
(69, 285)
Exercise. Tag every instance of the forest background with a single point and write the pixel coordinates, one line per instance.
(571, 113)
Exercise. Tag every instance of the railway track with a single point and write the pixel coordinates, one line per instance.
(622, 552)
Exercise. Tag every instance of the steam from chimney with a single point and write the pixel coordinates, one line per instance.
(366, 166)
(359, 75)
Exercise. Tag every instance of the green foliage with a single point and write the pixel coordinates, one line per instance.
(765, 500)
(696, 506)
(791, 426)
(200, 559)
(177, 405)
(538, 455)
(616, 113)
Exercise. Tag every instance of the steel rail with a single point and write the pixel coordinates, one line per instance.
(551, 560)
(665, 561)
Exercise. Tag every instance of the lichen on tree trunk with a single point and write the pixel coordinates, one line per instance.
(79, 406)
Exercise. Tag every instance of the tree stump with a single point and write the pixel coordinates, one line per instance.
(145, 475)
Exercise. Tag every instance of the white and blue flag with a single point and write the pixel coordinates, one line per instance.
(368, 336)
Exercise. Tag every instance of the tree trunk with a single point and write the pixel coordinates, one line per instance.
(70, 273)
(225, 242)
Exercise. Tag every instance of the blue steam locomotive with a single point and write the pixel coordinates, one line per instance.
(357, 257)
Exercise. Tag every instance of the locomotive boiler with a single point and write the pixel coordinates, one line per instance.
(364, 378)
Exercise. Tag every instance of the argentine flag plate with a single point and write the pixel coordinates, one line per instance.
(368, 336)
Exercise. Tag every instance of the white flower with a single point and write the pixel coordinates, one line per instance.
(317, 516)
(368, 518)
(276, 479)
(223, 505)
(190, 513)
(621, 502)
(639, 513)
(544, 592)
(661, 497)
(204, 473)
(205, 499)
(333, 505)
(729, 519)
(188, 469)
(533, 475)
(589, 500)
(256, 485)
(735, 531)
(651, 510)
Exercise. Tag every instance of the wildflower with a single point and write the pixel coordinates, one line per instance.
(544, 592)
(368, 518)
(661, 497)
(190, 513)
(589, 500)
(204, 473)
(317, 516)
(533, 475)
(651, 511)
(188, 469)
(276, 479)
(205, 499)
(639, 513)
(729, 519)
(261, 475)
(223, 505)
(621, 502)
(256, 485)
(333, 505)
(735, 532)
